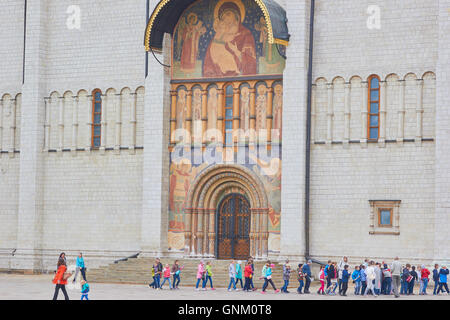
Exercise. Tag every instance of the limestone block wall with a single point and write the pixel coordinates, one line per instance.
(11, 48)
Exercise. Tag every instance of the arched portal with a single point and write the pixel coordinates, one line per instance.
(233, 220)
(214, 194)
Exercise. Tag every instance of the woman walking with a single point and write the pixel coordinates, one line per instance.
(200, 273)
(60, 279)
(80, 268)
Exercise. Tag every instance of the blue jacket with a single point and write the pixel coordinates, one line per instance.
(85, 288)
(356, 276)
(436, 275)
(306, 270)
(80, 262)
(443, 275)
(363, 275)
(326, 270)
(268, 272)
(345, 275)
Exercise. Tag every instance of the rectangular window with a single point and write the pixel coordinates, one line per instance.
(373, 121)
(385, 217)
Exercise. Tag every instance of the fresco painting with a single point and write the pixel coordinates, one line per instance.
(224, 38)
(183, 174)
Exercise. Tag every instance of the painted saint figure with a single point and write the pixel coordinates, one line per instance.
(245, 108)
(197, 116)
(261, 107)
(190, 36)
(212, 113)
(277, 111)
(232, 50)
(181, 108)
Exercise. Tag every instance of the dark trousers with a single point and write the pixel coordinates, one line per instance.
(247, 284)
(266, 283)
(300, 287)
(344, 287)
(307, 284)
(83, 273)
(436, 286)
(63, 289)
(411, 287)
(363, 287)
(340, 285)
(328, 282)
(442, 285)
(239, 280)
(251, 283)
(176, 280)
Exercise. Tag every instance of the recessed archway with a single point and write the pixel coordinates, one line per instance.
(208, 190)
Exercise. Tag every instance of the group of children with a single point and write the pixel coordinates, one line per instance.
(368, 278)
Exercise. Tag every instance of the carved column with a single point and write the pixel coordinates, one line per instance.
(212, 232)
(75, 101)
(187, 231)
(236, 114)
(204, 115)
(220, 115)
(200, 234)
(12, 128)
(252, 117)
(313, 113)
(383, 110)
(419, 112)
(269, 115)
(133, 123)
(330, 114)
(119, 99)
(60, 124)
(253, 232)
(173, 116)
(401, 112)
(347, 112)
(364, 114)
(189, 117)
(89, 123)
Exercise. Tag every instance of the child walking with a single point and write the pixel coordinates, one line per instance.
(200, 273)
(166, 275)
(84, 290)
(268, 279)
(239, 273)
(300, 278)
(345, 277)
(248, 274)
(232, 274)
(356, 277)
(176, 271)
(322, 280)
(286, 277)
(208, 275)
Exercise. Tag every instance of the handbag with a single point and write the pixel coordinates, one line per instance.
(66, 276)
(409, 279)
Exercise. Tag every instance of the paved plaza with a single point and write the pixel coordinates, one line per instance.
(40, 287)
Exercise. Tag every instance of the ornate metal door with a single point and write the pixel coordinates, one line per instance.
(233, 228)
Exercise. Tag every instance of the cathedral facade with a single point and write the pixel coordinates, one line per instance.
(224, 129)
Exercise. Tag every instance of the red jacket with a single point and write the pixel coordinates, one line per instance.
(424, 273)
(58, 279)
(248, 271)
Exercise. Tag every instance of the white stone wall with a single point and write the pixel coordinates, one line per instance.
(11, 48)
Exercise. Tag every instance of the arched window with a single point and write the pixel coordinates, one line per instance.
(228, 116)
(96, 118)
(373, 128)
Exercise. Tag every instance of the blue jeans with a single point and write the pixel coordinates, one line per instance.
(300, 287)
(84, 296)
(251, 283)
(198, 282)
(411, 287)
(425, 284)
(157, 281)
(239, 280)
(436, 286)
(232, 282)
(403, 287)
(164, 281)
(387, 285)
(206, 281)
(286, 284)
(176, 280)
(357, 287)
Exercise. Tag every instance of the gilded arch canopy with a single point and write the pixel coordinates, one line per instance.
(168, 12)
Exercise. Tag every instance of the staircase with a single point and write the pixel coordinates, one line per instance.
(138, 271)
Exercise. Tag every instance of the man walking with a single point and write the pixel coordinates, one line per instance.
(307, 273)
(396, 270)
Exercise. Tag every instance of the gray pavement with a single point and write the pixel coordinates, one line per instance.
(40, 287)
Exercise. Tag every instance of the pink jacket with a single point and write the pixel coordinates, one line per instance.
(200, 271)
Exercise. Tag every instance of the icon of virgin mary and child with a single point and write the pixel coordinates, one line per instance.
(232, 51)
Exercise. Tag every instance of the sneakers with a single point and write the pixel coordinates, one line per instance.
(278, 290)
(263, 292)
(213, 289)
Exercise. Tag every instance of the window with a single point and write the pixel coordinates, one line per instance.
(384, 217)
(373, 127)
(96, 118)
(228, 116)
